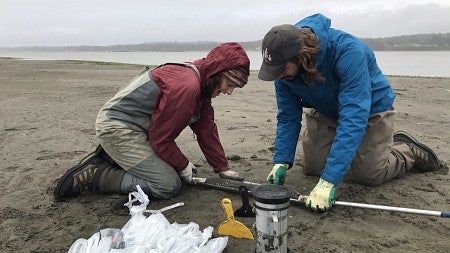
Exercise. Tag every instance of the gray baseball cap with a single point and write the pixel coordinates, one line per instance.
(279, 45)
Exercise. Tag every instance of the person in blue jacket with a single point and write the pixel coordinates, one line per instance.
(333, 78)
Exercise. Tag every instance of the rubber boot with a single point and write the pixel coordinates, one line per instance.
(108, 178)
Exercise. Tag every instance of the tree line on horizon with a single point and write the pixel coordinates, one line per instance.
(418, 42)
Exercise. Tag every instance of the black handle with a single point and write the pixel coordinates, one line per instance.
(243, 190)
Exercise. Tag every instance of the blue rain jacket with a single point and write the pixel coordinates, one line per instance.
(354, 88)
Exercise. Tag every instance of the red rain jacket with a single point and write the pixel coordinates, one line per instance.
(180, 100)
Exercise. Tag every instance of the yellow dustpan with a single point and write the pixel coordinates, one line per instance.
(231, 226)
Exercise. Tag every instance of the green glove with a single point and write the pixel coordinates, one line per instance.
(278, 174)
(321, 197)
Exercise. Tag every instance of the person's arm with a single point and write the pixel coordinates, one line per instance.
(289, 123)
(354, 101)
(208, 138)
(172, 113)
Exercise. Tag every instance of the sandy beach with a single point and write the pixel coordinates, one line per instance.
(48, 109)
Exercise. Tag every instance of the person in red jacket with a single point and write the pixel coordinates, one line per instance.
(137, 128)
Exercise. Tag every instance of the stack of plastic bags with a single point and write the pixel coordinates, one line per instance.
(150, 234)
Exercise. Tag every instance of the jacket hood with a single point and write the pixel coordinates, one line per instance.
(321, 27)
(318, 22)
(226, 56)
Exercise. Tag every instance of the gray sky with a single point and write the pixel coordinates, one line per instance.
(109, 22)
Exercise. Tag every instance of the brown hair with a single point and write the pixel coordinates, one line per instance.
(306, 57)
(212, 83)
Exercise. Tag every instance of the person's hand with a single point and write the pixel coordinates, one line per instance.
(229, 174)
(186, 173)
(321, 197)
(278, 174)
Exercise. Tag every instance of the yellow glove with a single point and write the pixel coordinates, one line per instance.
(321, 197)
(278, 174)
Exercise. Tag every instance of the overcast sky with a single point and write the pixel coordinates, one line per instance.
(109, 22)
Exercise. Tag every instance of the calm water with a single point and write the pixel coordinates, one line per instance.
(422, 63)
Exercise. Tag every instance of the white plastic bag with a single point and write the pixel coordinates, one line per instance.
(152, 234)
(79, 246)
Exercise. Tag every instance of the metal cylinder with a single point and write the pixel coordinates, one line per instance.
(271, 206)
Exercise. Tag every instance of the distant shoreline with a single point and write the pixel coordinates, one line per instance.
(417, 42)
(143, 65)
